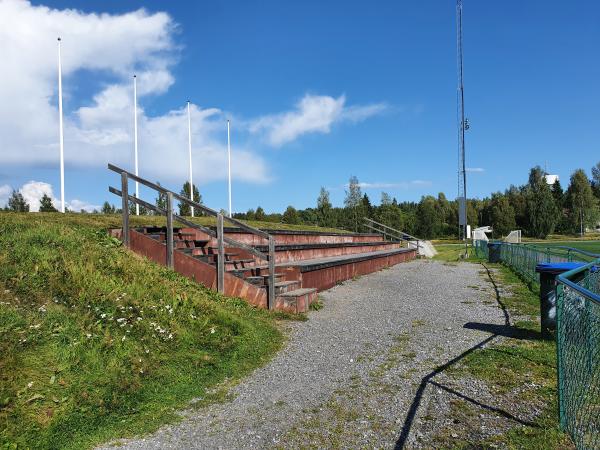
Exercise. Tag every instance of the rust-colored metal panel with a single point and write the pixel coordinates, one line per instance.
(197, 270)
(328, 277)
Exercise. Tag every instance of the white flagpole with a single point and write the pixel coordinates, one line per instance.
(135, 143)
(229, 165)
(190, 154)
(61, 137)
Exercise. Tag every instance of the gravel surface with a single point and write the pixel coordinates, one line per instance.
(359, 372)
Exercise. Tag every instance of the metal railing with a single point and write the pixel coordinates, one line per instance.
(393, 233)
(218, 234)
(523, 258)
(577, 332)
(578, 354)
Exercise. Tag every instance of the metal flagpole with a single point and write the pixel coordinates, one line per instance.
(61, 137)
(190, 153)
(135, 143)
(229, 166)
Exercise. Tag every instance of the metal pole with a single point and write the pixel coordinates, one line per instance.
(271, 296)
(229, 165)
(190, 154)
(221, 255)
(125, 208)
(169, 236)
(135, 143)
(462, 121)
(61, 136)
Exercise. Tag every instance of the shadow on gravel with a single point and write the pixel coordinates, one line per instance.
(495, 330)
(505, 330)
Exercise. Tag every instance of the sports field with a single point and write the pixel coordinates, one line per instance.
(588, 246)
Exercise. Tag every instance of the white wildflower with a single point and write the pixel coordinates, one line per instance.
(212, 330)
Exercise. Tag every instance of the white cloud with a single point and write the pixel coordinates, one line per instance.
(312, 114)
(5, 191)
(475, 169)
(78, 205)
(33, 191)
(398, 185)
(113, 46)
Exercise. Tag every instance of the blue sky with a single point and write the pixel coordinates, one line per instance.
(378, 82)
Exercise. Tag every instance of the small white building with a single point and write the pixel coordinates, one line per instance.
(551, 179)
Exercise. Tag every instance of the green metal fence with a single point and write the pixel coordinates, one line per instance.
(578, 354)
(577, 333)
(523, 258)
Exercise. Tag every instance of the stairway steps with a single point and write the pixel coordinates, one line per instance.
(298, 300)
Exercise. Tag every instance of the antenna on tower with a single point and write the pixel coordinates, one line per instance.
(463, 125)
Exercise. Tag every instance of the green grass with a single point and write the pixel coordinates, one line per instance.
(97, 343)
(508, 366)
(589, 246)
(115, 221)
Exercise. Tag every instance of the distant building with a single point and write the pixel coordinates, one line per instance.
(551, 179)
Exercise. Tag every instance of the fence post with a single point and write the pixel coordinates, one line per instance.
(271, 296)
(170, 230)
(560, 293)
(221, 255)
(125, 208)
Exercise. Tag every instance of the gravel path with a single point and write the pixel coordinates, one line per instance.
(352, 376)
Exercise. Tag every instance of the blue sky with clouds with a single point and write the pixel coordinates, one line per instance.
(316, 92)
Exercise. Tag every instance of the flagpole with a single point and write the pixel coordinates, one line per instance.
(190, 154)
(61, 134)
(135, 143)
(229, 165)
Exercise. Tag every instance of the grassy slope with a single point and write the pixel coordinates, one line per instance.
(508, 366)
(98, 343)
(114, 221)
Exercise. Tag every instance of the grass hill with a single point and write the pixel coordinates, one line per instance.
(97, 342)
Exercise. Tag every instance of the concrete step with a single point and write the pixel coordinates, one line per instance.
(297, 301)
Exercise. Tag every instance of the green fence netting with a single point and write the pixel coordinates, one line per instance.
(577, 334)
(578, 354)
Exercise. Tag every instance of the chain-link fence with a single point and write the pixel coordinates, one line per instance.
(578, 353)
(577, 333)
(523, 258)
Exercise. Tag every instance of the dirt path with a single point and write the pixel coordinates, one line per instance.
(362, 372)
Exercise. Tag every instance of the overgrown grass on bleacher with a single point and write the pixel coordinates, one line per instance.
(97, 343)
(115, 220)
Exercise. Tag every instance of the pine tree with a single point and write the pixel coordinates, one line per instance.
(428, 221)
(366, 206)
(502, 215)
(184, 208)
(324, 206)
(17, 203)
(581, 204)
(558, 194)
(541, 208)
(260, 215)
(46, 204)
(596, 180)
(290, 216)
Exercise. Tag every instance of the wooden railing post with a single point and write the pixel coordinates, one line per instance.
(170, 262)
(125, 208)
(221, 255)
(271, 294)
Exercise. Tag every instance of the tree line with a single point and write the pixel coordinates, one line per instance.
(536, 208)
